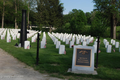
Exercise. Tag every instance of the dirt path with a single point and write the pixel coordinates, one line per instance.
(12, 69)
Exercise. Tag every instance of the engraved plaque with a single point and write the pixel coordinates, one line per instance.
(83, 57)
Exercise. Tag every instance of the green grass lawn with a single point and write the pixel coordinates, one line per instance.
(54, 64)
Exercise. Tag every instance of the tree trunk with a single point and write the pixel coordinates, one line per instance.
(3, 14)
(28, 13)
(15, 15)
(114, 28)
(111, 32)
(50, 29)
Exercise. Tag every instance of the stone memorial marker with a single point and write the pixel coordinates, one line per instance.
(84, 43)
(2, 37)
(26, 44)
(42, 44)
(117, 45)
(58, 44)
(109, 48)
(95, 48)
(119, 48)
(14, 37)
(62, 49)
(77, 41)
(113, 42)
(106, 44)
(71, 44)
(83, 60)
(8, 39)
(67, 41)
(95, 43)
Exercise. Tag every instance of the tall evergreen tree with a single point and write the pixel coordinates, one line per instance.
(110, 9)
(50, 12)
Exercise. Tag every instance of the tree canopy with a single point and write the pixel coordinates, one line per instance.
(50, 12)
(109, 9)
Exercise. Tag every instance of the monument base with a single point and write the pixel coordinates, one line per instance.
(82, 72)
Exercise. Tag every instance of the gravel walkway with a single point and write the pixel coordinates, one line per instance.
(12, 69)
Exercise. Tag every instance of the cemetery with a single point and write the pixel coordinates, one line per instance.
(74, 46)
(57, 53)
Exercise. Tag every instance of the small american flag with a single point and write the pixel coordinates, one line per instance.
(80, 42)
(99, 51)
(72, 46)
(91, 41)
(65, 52)
(114, 50)
(9, 40)
(44, 46)
(35, 40)
(28, 47)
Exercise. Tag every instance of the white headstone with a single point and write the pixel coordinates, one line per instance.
(42, 44)
(106, 44)
(113, 42)
(109, 48)
(71, 44)
(62, 49)
(67, 41)
(26, 44)
(2, 37)
(95, 48)
(119, 48)
(58, 44)
(84, 43)
(117, 45)
(8, 39)
(77, 41)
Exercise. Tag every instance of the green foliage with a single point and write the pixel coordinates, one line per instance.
(98, 26)
(50, 13)
(88, 17)
(111, 11)
(9, 8)
(78, 22)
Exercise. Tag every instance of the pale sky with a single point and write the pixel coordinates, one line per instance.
(84, 5)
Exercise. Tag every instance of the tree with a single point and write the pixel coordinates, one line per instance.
(78, 21)
(98, 25)
(109, 9)
(3, 14)
(88, 16)
(50, 12)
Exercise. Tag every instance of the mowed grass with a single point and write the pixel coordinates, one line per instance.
(54, 64)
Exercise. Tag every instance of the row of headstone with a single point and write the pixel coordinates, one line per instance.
(13, 34)
(3, 34)
(108, 46)
(1, 31)
(31, 33)
(8, 36)
(55, 40)
(58, 44)
(79, 39)
(33, 39)
(27, 43)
